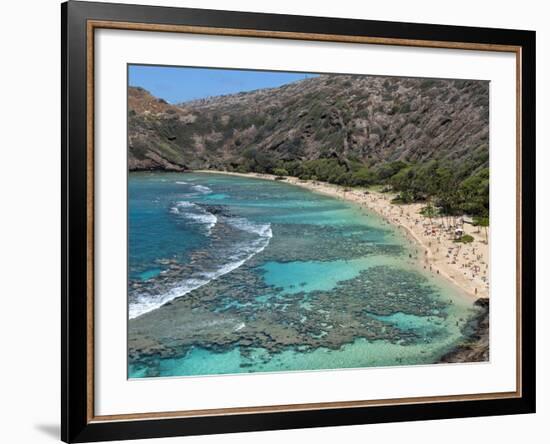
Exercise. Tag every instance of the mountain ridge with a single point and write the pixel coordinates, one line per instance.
(367, 119)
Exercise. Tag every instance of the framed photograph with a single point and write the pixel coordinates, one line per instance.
(276, 221)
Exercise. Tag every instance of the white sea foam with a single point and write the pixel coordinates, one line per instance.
(202, 189)
(242, 252)
(262, 230)
(185, 204)
(240, 326)
(195, 213)
(197, 190)
(145, 303)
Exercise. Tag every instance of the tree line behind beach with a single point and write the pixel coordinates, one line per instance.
(450, 189)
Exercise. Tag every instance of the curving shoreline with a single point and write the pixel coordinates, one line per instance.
(464, 265)
(442, 256)
(152, 337)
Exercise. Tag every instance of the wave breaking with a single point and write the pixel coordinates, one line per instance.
(224, 257)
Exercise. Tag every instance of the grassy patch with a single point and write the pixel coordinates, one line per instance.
(465, 239)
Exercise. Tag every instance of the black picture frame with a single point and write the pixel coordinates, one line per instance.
(76, 423)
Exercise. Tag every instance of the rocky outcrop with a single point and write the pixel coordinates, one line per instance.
(476, 347)
(150, 144)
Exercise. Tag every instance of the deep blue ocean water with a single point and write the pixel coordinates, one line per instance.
(189, 232)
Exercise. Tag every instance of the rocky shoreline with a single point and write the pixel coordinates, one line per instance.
(476, 347)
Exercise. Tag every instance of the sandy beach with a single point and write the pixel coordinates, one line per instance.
(465, 265)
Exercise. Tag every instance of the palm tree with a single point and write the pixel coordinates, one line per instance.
(483, 221)
(429, 211)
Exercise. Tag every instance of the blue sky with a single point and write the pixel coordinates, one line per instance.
(178, 84)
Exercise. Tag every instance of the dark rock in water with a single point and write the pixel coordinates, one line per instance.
(482, 302)
(476, 346)
(218, 210)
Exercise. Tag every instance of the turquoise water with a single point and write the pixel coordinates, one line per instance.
(231, 275)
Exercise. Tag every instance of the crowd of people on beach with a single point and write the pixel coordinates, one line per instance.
(466, 264)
